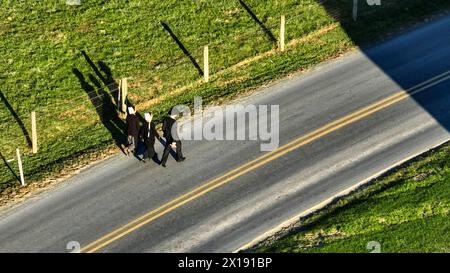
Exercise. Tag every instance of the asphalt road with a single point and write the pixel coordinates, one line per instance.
(331, 145)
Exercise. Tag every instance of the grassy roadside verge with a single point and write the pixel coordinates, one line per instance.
(38, 71)
(405, 211)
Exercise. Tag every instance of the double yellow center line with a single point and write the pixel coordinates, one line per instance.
(258, 162)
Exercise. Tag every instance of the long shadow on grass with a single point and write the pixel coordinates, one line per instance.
(183, 48)
(103, 101)
(9, 168)
(103, 90)
(410, 59)
(104, 73)
(17, 118)
(104, 106)
(269, 33)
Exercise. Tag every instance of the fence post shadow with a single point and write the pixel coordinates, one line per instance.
(269, 34)
(183, 48)
(9, 167)
(18, 120)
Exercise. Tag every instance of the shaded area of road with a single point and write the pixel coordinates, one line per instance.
(395, 64)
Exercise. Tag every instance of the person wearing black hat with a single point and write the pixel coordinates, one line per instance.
(172, 141)
(148, 134)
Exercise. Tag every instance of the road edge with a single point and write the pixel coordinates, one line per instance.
(287, 226)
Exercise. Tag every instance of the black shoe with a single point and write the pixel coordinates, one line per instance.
(155, 158)
(181, 159)
(164, 165)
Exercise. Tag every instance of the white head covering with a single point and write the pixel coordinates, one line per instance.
(131, 110)
(148, 117)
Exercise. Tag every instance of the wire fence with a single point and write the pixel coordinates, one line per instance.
(181, 60)
(92, 103)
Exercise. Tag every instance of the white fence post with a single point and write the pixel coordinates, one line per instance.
(19, 162)
(34, 132)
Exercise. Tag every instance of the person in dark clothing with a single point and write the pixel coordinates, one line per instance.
(172, 141)
(148, 134)
(132, 130)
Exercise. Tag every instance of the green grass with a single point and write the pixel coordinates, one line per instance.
(42, 41)
(406, 211)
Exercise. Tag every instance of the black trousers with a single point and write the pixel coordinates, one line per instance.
(167, 149)
(132, 143)
(149, 151)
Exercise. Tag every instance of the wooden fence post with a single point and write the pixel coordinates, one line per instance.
(206, 63)
(34, 133)
(19, 162)
(119, 99)
(123, 94)
(282, 31)
(355, 10)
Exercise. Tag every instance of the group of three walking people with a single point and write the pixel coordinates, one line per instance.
(148, 134)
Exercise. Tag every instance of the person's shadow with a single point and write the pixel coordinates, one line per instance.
(104, 102)
(103, 90)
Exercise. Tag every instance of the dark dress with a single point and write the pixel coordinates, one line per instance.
(132, 131)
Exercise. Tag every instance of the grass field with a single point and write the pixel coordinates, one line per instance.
(406, 211)
(43, 68)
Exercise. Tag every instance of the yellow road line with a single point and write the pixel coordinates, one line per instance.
(262, 160)
(237, 170)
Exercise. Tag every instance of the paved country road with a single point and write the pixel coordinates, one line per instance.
(339, 124)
